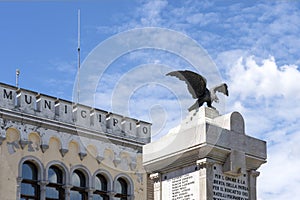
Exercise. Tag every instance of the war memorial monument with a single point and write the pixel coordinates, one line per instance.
(208, 156)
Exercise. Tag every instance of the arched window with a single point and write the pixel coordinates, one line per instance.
(54, 190)
(121, 189)
(29, 185)
(101, 188)
(78, 191)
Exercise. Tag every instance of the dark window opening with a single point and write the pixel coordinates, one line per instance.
(54, 190)
(101, 188)
(78, 191)
(29, 185)
(121, 189)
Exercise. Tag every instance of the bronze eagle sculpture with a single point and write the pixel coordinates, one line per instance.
(196, 85)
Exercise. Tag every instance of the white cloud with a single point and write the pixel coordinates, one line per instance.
(264, 81)
(64, 67)
(266, 85)
(280, 177)
(262, 28)
(268, 96)
(203, 19)
(151, 12)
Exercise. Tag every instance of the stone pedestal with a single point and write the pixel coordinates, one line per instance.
(207, 156)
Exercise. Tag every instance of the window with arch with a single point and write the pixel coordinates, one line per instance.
(78, 191)
(121, 189)
(54, 189)
(29, 185)
(101, 188)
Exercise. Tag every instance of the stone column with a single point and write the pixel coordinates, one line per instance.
(252, 175)
(90, 193)
(205, 178)
(67, 189)
(157, 186)
(112, 195)
(43, 185)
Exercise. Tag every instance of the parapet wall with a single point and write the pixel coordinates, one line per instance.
(44, 106)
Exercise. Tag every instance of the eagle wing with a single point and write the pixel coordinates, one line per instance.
(221, 88)
(196, 83)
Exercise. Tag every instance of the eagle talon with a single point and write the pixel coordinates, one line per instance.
(213, 107)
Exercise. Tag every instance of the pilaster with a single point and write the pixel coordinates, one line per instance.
(252, 176)
(205, 178)
(19, 182)
(157, 186)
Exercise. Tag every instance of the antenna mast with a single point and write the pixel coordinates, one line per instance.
(17, 78)
(78, 49)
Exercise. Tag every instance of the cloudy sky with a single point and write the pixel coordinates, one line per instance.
(252, 46)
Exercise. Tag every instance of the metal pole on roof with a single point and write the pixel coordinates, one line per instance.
(17, 77)
(78, 49)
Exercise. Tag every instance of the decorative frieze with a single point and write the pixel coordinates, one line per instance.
(29, 138)
(44, 106)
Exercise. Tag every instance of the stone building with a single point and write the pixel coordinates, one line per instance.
(54, 149)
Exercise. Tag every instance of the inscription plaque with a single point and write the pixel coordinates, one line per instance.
(229, 187)
(184, 187)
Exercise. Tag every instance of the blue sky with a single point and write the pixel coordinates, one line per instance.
(254, 46)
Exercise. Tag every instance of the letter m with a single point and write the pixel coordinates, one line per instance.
(7, 95)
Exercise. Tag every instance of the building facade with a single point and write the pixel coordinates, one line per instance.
(54, 149)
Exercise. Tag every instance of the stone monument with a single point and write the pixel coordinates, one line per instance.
(208, 156)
